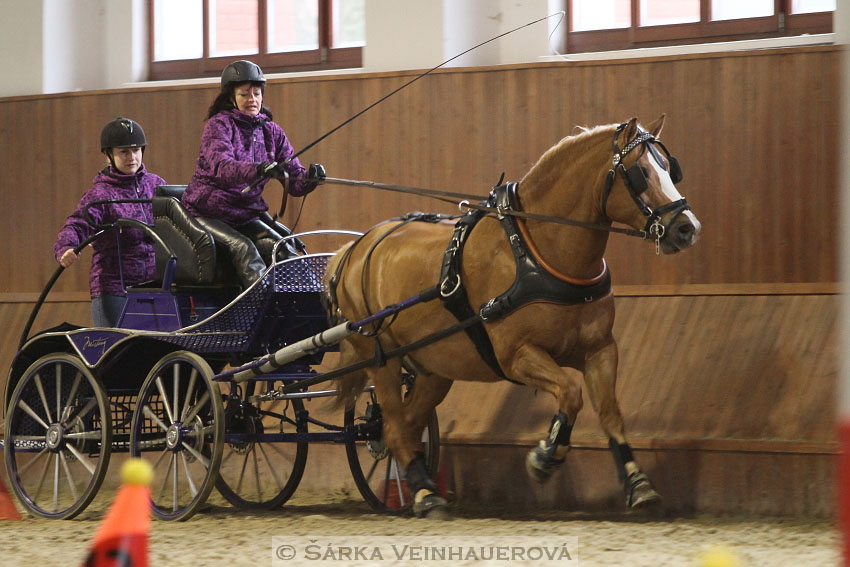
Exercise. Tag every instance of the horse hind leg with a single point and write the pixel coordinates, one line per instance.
(404, 441)
(600, 375)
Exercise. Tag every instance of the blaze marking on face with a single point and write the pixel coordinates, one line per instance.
(669, 190)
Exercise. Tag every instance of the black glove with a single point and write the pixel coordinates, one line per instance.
(265, 169)
(315, 177)
(316, 173)
(273, 170)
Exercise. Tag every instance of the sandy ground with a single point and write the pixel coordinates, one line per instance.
(222, 535)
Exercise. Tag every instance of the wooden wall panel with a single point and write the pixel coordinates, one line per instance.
(756, 133)
(743, 369)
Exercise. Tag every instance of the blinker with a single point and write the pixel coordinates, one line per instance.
(637, 179)
(675, 170)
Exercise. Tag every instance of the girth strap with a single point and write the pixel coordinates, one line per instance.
(453, 292)
(532, 282)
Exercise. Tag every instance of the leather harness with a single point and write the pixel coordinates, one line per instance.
(533, 282)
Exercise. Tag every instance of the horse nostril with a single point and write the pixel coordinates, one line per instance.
(685, 231)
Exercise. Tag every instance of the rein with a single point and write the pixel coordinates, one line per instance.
(465, 205)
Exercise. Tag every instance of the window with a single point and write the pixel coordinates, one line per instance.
(198, 38)
(601, 25)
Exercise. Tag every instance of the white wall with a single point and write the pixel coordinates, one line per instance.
(412, 34)
(69, 45)
(73, 55)
(20, 47)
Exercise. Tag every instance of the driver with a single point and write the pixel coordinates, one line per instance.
(124, 177)
(238, 146)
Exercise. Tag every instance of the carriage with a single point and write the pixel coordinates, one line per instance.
(162, 384)
(532, 270)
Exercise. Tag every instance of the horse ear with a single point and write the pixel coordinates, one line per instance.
(630, 131)
(656, 126)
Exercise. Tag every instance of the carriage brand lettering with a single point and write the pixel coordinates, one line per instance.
(424, 550)
(94, 343)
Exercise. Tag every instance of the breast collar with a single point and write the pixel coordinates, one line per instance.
(535, 280)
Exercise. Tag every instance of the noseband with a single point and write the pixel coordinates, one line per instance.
(636, 183)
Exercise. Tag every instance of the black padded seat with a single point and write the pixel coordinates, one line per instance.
(197, 257)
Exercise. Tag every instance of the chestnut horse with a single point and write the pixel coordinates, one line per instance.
(613, 173)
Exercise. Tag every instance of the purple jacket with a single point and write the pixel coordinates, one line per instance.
(138, 262)
(232, 146)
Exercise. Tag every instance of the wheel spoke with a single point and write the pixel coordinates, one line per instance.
(226, 457)
(159, 459)
(271, 467)
(375, 463)
(40, 388)
(197, 455)
(197, 407)
(22, 471)
(56, 485)
(257, 474)
(192, 377)
(204, 431)
(90, 405)
(150, 413)
(59, 393)
(176, 384)
(68, 474)
(42, 478)
(84, 435)
(66, 411)
(24, 406)
(242, 474)
(174, 484)
(165, 403)
(394, 467)
(83, 459)
(165, 479)
(189, 476)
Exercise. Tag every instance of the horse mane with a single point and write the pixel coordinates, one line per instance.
(543, 172)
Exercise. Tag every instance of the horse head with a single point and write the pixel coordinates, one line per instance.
(640, 188)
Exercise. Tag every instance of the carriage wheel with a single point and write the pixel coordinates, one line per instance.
(257, 473)
(378, 476)
(179, 418)
(58, 437)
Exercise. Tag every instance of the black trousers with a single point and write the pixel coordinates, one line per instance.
(249, 246)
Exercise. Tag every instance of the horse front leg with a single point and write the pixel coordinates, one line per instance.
(536, 368)
(600, 375)
(402, 436)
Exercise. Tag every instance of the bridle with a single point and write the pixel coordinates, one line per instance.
(636, 183)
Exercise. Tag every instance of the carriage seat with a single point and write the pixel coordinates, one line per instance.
(198, 261)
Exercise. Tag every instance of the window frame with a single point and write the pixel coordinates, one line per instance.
(780, 24)
(325, 57)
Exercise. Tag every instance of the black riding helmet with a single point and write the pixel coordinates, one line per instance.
(121, 133)
(241, 72)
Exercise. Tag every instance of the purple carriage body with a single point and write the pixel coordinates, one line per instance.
(156, 384)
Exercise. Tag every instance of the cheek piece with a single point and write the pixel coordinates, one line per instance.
(636, 182)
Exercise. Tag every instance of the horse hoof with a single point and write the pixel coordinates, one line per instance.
(639, 492)
(426, 504)
(540, 464)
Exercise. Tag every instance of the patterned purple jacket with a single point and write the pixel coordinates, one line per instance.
(137, 251)
(232, 146)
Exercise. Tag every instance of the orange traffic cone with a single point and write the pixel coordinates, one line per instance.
(122, 538)
(7, 507)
